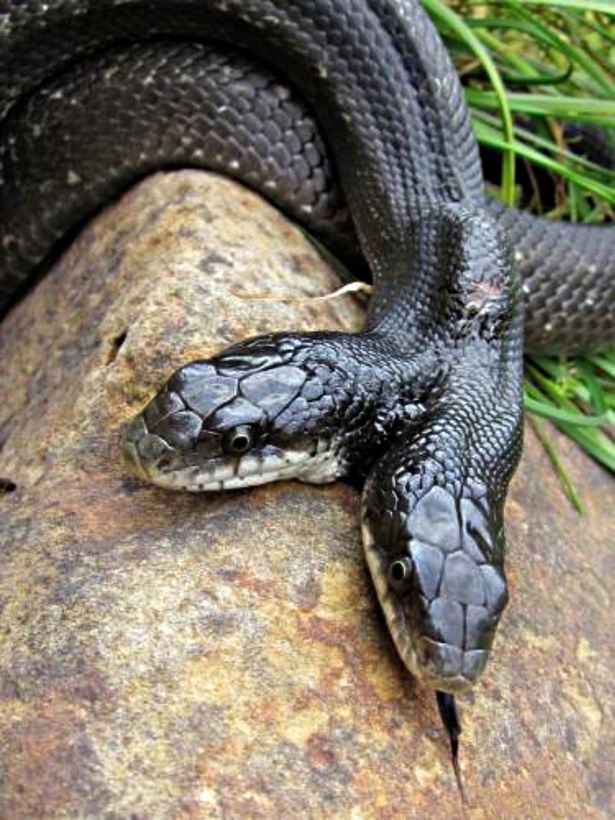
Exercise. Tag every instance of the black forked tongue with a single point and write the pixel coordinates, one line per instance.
(450, 719)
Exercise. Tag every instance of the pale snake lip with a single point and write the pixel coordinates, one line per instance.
(224, 473)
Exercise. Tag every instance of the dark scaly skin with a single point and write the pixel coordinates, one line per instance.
(426, 402)
(240, 120)
(581, 318)
(236, 118)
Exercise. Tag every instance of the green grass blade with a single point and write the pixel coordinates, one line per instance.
(572, 109)
(572, 418)
(450, 19)
(604, 6)
(558, 465)
(486, 136)
(565, 156)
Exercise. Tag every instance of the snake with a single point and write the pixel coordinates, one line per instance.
(347, 115)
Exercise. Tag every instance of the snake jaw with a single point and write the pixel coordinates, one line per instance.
(156, 461)
(377, 561)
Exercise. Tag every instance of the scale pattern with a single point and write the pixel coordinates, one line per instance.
(241, 119)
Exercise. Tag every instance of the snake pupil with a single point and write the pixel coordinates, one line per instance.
(400, 573)
(240, 440)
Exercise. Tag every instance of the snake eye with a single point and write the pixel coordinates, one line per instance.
(239, 440)
(400, 574)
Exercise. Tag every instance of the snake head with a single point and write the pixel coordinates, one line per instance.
(436, 557)
(259, 411)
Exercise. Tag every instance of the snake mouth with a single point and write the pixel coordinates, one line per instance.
(435, 664)
(158, 462)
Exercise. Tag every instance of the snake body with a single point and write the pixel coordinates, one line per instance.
(367, 143)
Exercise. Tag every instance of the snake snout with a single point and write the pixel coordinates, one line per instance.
(145, 451)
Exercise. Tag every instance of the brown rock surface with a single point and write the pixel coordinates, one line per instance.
(166, 655)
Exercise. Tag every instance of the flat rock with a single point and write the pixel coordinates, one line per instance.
(167, 655)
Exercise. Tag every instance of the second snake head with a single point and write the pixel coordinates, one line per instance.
(436, 559)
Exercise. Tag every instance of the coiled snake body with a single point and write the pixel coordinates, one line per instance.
(425, 402)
